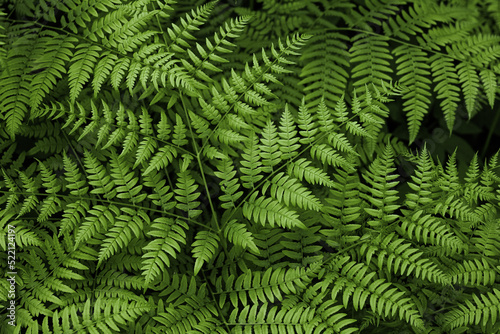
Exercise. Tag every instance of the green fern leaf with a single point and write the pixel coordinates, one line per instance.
(489, 80)
(97, 176)
(481, 310)
(119, 71)
(103, 70)
(251, 166)
(169, 235)
(422, 182)
(228, 184)
(328, 155)
(470, 84)
(239, 235)
(31, 188)
(52, 65)
(302, 170)
(371, 52)
(186, 194)
(120, 234)
(447, 86)
(324, 74)
(306, 125)
(161, 159)
(473, 272)
(204, 248)
(288, 136)
(267, 210)
(414, 72)
(125, 181)
(180, 131)
(289, 191)
(82, 66)
(92, 226)
(380, 192)
(15, 85)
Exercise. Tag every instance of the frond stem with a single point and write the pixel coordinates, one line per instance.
(200, 165)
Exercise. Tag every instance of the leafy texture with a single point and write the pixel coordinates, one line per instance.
(179, 167)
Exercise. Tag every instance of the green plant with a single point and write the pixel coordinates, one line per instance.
(162, 174)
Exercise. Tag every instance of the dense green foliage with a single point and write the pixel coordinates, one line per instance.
(247, 166)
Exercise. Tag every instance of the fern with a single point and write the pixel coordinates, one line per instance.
(204, 248)
(81, 67)
(237, 167)
(414, 72)
(168, 234)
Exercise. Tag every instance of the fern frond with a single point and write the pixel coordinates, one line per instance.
(267, 210)
(269, 147)
(324, 74)
(288, 190)
(161, 193)
(51, 204)
(204, 248)
(73, 10)
(251, 166)
(373, 13)
(324, 117)
(302, 246)
(340, 142)
(107, 315)
(302, 170)
(119, 71)
(26, 237)
(328, 155)
(473, 272)
(180, 132)
(161, 159)
(31, 187)
(186, 194)
(489, 80)
(15, 85)
(102, 70)
(238, 234)
(228, 184)
(417, 17)
(179, 33)
(331, 317)
(189, 154)
(82, 66)
(288, 136)
(263, 286)
(120, 234)
(414, 72)
(168, 236)
(51, 66)
(447, 87)
(482, 309)
(343, 207)
(422, 182)
(306, 124)
(188, 310)
(384, 299)
(97, 222)
(379, 190)
(406, 259)
(231, 29)
(470, 84)
(125, 180)
(431, 230)
(270, 249)
(487, 239)
(371, 52)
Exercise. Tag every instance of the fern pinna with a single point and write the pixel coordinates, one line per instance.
(187, 168)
